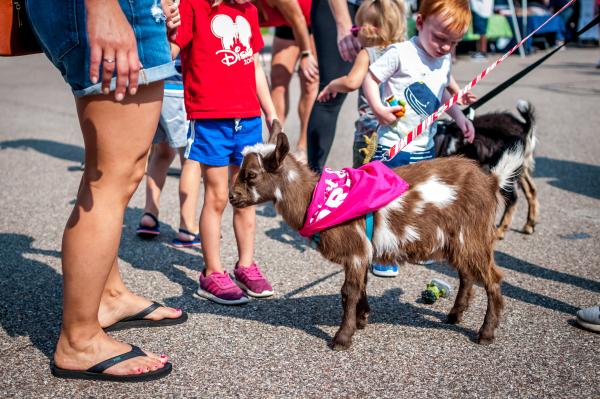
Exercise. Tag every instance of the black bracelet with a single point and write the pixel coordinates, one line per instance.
(305, 53)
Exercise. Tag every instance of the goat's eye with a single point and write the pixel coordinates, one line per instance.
(250, 175)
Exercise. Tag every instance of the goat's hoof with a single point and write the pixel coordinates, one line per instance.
(362, 322)
(485, 340)
(340, 344)
(528, 229)
(454, 318)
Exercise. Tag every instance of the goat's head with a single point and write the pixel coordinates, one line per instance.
(260, 172)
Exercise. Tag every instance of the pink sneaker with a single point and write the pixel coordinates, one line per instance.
(219, 288)
(251, 280)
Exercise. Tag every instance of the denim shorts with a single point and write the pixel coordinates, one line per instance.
(219, 142)
(62, 32)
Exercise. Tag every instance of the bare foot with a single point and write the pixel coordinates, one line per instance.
(117, 307)
(147, 221)
(83, 354)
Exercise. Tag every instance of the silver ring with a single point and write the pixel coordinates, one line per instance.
(109, 60)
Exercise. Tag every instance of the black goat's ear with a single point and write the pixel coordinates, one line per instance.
(274, 131)
(274, 160)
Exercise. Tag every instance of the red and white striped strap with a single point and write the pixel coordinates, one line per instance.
(395, 149)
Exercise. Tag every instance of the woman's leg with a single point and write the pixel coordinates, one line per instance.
(189, 189)
(308, 95)
(244, 227)
(117, 137)
(284, 57)
(161, 157)
(216, 194)
(323, 117)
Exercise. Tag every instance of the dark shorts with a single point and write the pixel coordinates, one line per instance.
(61, 30)
(286, 32)
(479, 24)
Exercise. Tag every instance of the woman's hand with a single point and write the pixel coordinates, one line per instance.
(309, 67)
(348, 45)
(112, 44)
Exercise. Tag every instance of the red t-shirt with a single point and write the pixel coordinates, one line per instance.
(270, 16)
(217, 58)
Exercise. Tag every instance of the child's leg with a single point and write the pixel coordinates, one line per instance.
(216, 194)
(189, 188)
(244, 227)
(161, 157)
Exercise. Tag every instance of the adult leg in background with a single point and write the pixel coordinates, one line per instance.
(115, 164)
(323, 117)
(283, 63)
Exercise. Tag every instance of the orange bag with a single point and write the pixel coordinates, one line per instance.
(16, 35)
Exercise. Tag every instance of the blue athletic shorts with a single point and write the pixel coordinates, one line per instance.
(219, 142)
(61, 30)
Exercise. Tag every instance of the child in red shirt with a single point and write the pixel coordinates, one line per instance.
(225, 89)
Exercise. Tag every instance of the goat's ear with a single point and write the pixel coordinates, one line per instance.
(274, 160)
(276, 128)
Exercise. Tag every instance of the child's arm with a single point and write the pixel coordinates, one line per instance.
(263, 93)
(385, 115)
(466, 99)
(462, 121)
(350, 82)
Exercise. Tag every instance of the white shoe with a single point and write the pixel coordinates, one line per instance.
(589, 318)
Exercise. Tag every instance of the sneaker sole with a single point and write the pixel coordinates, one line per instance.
(589, 326)
(263, 294)
(384, 274)
(201, 294)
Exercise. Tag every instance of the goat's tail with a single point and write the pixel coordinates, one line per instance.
(528, 113)
(509, 167)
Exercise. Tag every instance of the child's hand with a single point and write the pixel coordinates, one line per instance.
(467, 99)
(171, 11)
(326, 94)
(467, 128)
(386, 115)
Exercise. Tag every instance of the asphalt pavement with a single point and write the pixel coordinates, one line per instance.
(278, 347)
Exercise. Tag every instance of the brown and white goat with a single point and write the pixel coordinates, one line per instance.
(448, 213)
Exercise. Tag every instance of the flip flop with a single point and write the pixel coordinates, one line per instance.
(138, 321)
(195, 242)
(97, 372)
(148, 231)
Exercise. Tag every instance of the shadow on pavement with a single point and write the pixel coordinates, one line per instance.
(68, 152)
(571, 176)
(287, 235)
(30, 294)
(527, 296)
(309, 313)
(157, 254)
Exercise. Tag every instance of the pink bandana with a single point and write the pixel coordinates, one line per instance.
(346, 194)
